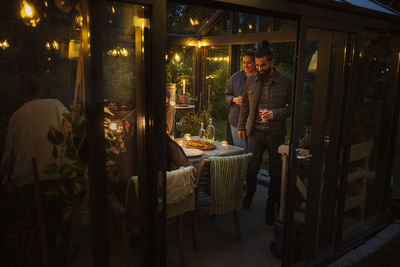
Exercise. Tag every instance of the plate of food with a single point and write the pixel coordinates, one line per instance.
(201, 145)
(192, 152)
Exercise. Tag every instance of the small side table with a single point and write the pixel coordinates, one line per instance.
(188, 108)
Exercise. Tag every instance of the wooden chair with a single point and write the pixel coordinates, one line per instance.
(175, 210)
(357, 177)
(221, 185)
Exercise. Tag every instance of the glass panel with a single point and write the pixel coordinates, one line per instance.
(396, 170)
(371, 5)
(317, 158)
(224, 27)
(186, 19)
(250, 23)
(41, 70)
(215, 77)
(125, 33)
(363, 189)
(179, 68)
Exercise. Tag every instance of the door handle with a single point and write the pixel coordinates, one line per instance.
(159, 191)
(303, 157)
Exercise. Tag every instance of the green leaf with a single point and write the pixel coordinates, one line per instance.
(50, 169)
(69, 151)
(66, 171)
(108, 111)
(122, 147)
(54, 152)
(78, 188)
(55, 137)
(67, 212)
(79, 167)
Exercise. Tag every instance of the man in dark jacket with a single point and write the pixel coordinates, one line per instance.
(265, 107)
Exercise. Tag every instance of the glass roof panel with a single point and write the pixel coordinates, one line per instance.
(370, 4)
(186, 19)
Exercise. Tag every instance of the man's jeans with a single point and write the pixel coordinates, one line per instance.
(258, 142)
(236, 140)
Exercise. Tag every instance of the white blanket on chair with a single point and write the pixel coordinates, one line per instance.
(180, 184)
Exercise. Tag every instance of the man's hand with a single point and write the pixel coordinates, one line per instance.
(241, 134)
(267, 115)
(238, 100)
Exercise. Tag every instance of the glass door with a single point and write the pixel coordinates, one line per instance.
(126, 116)
(325, 60)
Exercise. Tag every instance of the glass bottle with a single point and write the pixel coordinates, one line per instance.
(210, 132)
(202, 131)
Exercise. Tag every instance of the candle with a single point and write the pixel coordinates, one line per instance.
(184, 83)
(224, 144)
(187, 137)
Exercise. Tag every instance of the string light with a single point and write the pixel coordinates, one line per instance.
(29, 14)
(118, 52)
(55, 44)
(4, 45)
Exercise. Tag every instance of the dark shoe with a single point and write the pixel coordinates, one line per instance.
(247, 201)
(270, 213)
(274, 251)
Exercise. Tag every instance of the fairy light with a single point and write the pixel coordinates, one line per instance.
(118, 52)
(4, 44)
(56, 45)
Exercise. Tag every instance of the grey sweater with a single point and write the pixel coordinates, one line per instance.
(234, 89)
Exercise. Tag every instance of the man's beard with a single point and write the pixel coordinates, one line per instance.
(265, 74)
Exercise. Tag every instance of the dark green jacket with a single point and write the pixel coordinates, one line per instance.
(279, 102)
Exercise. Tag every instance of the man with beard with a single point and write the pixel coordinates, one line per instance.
(265, 107)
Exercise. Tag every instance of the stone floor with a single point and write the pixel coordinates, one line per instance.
(217, 240)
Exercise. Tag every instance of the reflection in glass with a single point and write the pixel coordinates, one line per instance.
(42, 118)
(126, 31)
(396, 167)
(250, 23)
(186, 19)
(363, 194)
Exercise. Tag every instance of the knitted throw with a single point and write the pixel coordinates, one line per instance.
(227, 175)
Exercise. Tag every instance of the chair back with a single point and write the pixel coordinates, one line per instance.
(180, 191)
(227, 175)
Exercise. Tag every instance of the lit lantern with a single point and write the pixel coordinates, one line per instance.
(28, 13)
(73, 48)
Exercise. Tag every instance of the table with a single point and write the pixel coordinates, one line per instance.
(219, 151)
(188, 108)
